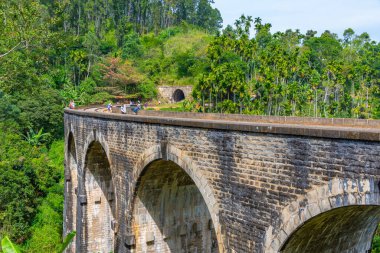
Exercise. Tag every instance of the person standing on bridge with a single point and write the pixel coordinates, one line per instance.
(123, 109)
(72, 104)
(137, 108)
(109, 107)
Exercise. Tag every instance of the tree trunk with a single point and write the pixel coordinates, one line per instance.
(315, 104)
(209, 102)
(325, 100)
(88, 68)
(79, 11)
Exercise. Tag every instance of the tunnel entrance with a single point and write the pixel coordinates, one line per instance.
(169, 212)
(345, 229)
(178, 95)
(99, 211)
(71, 176)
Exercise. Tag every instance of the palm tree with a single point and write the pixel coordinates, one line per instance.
(36, 139)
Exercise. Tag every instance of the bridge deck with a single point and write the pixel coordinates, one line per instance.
(355, 129)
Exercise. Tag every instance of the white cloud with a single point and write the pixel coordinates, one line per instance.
(333, 15)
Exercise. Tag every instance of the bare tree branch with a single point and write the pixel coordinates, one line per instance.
(2, 55)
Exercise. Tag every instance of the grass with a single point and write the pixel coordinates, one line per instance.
(177, 107)
(194, 40)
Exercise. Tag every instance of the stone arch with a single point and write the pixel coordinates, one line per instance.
(98, 201)
(96, 136)
(178, 95)
(343, 229)
(71, 187)
(323, 202)
(176, 156)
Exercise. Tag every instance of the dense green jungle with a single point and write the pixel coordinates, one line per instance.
(91, 51)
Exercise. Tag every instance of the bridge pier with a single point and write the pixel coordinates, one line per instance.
(98, 202)
(71, 188)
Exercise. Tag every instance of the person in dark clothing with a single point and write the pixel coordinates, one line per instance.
(137, 108)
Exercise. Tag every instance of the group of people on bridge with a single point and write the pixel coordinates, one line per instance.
(135, 107)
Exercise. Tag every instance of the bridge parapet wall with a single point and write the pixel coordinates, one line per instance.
(355, 129)
(343, 122)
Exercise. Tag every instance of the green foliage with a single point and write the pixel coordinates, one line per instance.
(46, 228)
(42, 109)
(175, 57)
(376, 241)
(8, 246)
(36, 138)
(18, 187)
(132, 46)
(82, 94)
(67, 241)
(100, 98)
(147, 90)
(8, 111)
(376, 244)
(290, 73)
(26, 178)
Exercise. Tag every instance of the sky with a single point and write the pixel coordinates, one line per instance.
(318, 15)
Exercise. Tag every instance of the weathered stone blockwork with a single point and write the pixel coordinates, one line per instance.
(258, 187)
(175, 93)
(169, 213)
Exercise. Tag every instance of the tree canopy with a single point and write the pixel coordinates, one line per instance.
(289, 73)
(89, 51)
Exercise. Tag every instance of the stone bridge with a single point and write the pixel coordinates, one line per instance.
(185, 182)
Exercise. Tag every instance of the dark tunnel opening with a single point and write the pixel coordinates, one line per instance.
(178, 95)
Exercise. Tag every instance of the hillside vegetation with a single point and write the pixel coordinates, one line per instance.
(89, 51)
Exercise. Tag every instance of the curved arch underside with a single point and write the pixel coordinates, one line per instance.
(100, 207)
(345, 229)
(169, 212)
(72, 183)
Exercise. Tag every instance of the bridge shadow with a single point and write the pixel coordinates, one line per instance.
(169, 212)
